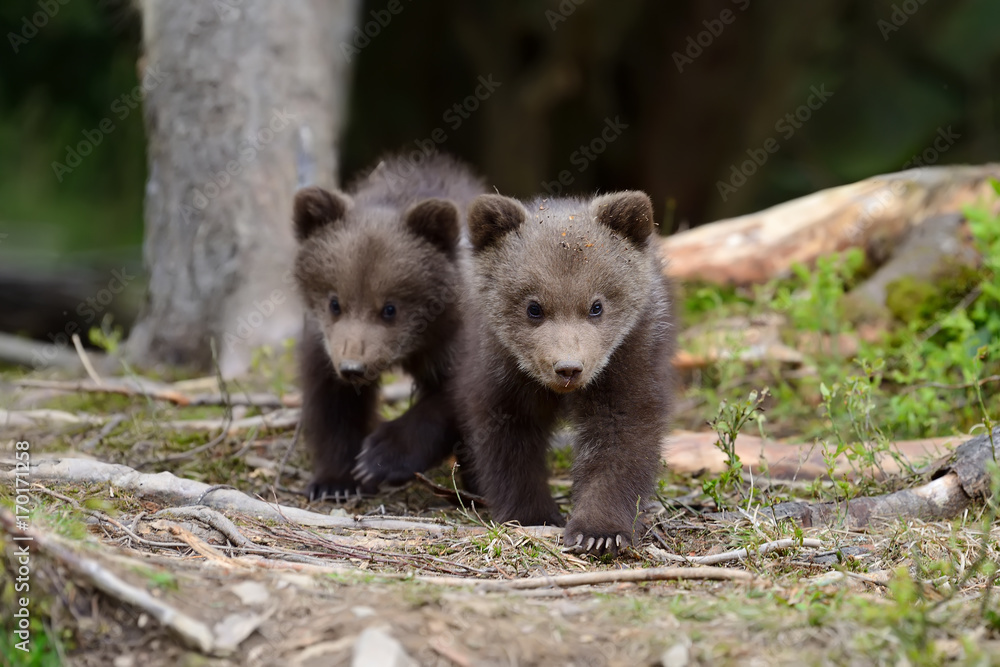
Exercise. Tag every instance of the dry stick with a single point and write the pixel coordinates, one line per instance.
(284, 459)
(193, 633)
(105, 431)
(211, 518)
(130, 388)
(202, 547)
(963, 385)
(85, 360)
(966, 301)
(740, 554)
(455, 495)
(449, 652)
(615, 576)
(279, 419)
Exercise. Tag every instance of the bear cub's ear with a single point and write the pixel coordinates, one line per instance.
(435, 220)
(491, 217)
(315, 208)
(630, 213)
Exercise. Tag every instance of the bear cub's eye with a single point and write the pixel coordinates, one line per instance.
(534, 310)
(388, 312)
(596, 309)
(335, 306)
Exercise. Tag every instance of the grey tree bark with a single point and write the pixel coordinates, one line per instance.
(244, 100)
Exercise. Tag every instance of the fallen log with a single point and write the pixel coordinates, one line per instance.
(960, 480)
(696, 454)
(871, 214)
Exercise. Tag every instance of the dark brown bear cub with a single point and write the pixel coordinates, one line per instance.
(568, 315)
(378, 271)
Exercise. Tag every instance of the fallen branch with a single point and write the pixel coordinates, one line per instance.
(959, 481)
(35, 354)
(145, 389)
(36, 418)
(213, 519)
(110, 386)
(740, 554)
(618, 576)
(166, 489)
(938, 500)
(192, 633)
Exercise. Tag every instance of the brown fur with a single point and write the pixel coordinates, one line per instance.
(608, 373)
(392, 240)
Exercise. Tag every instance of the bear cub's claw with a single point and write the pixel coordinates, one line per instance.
(595, 543)
(339, 491)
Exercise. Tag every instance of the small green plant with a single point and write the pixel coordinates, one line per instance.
(108, 336)
(815, 303)
(728, 422)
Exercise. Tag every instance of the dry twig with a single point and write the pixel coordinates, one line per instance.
(740, 554)
(618, 576)
(85, 360)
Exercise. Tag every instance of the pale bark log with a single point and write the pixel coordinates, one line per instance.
(871, 214)
(959, 481)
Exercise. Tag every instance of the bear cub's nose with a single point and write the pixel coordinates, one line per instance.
(352, 370)
(568, 369)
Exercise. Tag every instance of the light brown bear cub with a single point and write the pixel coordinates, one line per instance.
(378, 271)
(568, 315)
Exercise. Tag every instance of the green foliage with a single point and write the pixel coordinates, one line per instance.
(935, 370)
(108, 336)
(728, 422)
(814, 301)
(43, 647)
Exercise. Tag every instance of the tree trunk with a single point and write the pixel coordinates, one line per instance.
(243, 102)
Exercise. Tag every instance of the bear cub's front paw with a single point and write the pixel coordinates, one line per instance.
(384, 456)
(596, 540)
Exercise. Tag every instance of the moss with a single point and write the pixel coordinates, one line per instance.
(910, 300)
(917, 300)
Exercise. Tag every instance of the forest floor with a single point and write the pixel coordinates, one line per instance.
(422, 567)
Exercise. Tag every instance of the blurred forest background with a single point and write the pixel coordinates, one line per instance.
(900, 73)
